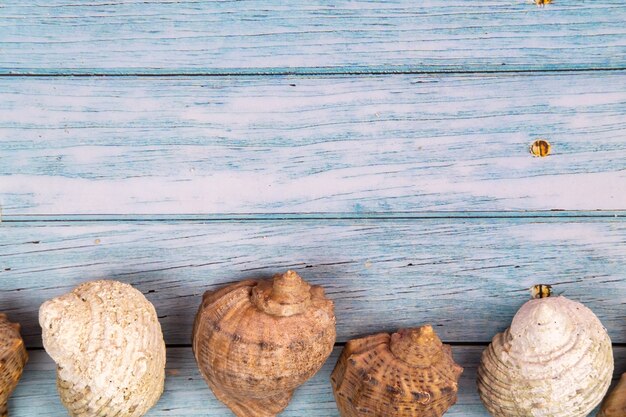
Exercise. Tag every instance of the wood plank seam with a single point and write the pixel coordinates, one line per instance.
(186, 394)
(301, 73)
(329, 216)
(467, 277)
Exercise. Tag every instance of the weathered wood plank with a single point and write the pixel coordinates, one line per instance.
(336, 144)
(467, 277)
(186, 394)
(268, 36)
(396, 215)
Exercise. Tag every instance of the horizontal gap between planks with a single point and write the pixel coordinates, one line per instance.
(342, 344)
(338, 344)
(555, 214)
(301, 72)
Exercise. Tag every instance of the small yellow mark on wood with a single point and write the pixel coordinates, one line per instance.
(97, 241)
(540, 147)
(542, 3)
(540, 291)
(368, 264)
(172, 372)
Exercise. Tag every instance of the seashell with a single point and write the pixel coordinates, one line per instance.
(257, 341)
(410, 373)
(614, 405)
(13, 357)
(555, 360)
(107, 342)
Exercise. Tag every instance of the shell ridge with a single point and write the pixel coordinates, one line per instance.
(246, 315)
(220, 297)
(247, 407)
(254, 353)
(208, 321)
(355, 347)
(13, 356)
(378, 382)
(554, 361)
(382, 368)
(222, 319)
(118, 367)
(209, 297)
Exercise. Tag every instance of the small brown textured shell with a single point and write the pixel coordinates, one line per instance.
(614, 405)
(256, 341)
(13, 357)
(107, 342)
(407, 374)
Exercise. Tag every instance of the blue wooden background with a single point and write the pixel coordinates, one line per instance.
(379, 148)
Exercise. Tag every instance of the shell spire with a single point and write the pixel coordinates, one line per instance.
(107, 342)
(418, 347)
(409, 373)
(255, 342)
(285, 295)
(556, 360)
(13, 358)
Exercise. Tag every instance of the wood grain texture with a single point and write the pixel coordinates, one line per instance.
(186, 394)
(466, 277)
(266, 36)
(331, 144)
(180, 184)
(369, 216)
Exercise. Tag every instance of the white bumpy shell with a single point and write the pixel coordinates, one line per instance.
(107, 342)
(555, 360)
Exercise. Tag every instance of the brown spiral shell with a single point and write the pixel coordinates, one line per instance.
(614, 405)
(407, 374)
(257, 341)
(13, 357)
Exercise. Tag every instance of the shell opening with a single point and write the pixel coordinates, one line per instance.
(284, 295)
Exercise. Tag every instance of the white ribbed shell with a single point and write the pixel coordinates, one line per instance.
(107, 342)
(555, 360)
